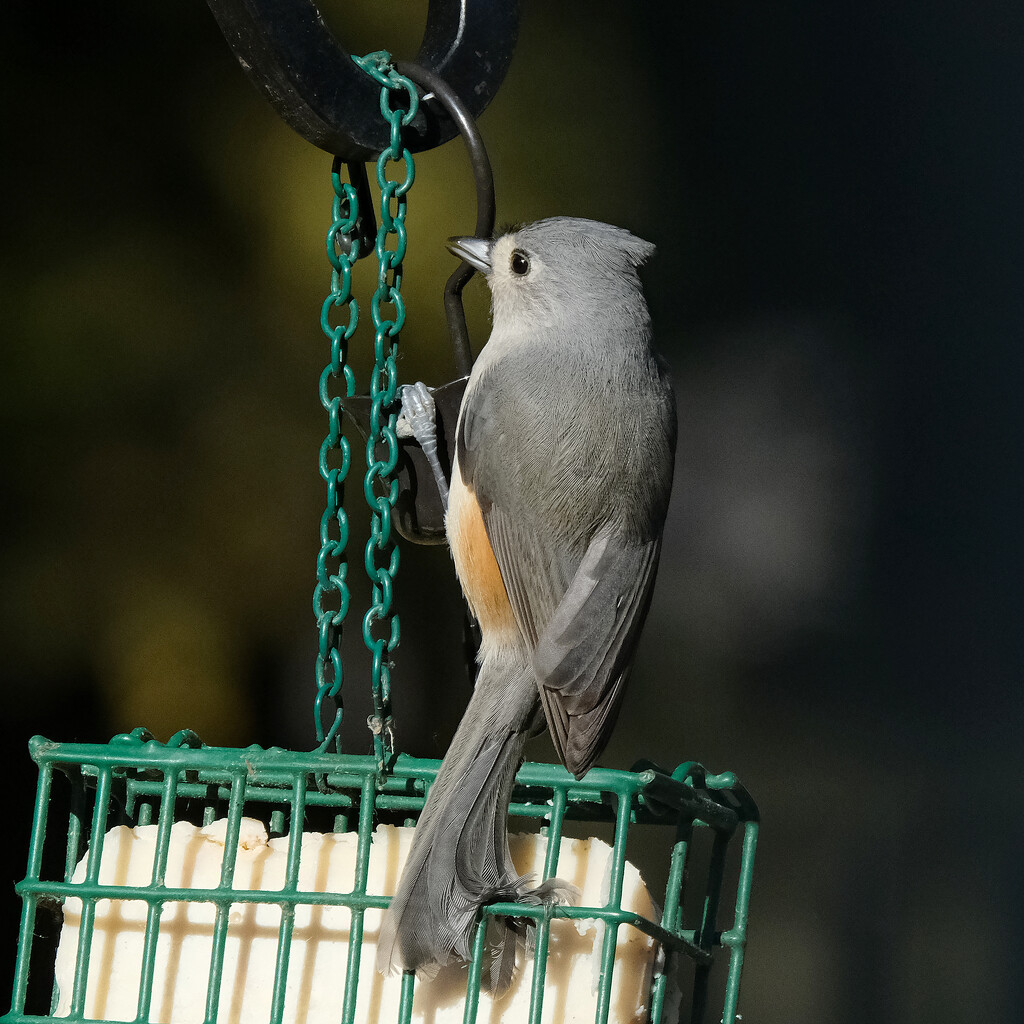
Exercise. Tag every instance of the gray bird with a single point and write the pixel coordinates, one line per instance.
(563, 468)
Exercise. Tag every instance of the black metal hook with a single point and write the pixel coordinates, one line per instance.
(311, 80)
(483, 179)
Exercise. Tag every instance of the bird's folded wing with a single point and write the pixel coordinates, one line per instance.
(582, 626)
(583, 656)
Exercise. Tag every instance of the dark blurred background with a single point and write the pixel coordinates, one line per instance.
(836, 196)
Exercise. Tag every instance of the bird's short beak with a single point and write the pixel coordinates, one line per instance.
(475, 251)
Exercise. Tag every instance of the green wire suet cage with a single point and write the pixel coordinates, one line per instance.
(706, 824)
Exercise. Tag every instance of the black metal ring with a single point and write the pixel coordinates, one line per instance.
(295, 60)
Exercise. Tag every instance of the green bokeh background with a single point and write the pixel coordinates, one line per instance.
(835, 194)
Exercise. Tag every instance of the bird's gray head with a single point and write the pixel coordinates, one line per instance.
(562, 268)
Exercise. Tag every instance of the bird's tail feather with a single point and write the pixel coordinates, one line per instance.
(460, 858)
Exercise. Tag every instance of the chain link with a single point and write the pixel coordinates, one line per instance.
(331, 567)
(380, 491)
(339, 318)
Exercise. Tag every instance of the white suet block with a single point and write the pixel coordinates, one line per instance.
(319, 944)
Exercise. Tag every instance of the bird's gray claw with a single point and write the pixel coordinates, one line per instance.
(418, 418)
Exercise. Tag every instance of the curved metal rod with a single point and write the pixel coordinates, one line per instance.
(295, 60)
(446, 97)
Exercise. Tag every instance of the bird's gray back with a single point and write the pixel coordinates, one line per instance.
(576, 435)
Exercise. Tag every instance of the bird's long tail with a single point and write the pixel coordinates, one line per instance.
(460, 859)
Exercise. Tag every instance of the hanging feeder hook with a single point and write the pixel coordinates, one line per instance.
(461, 116)
(295, 60)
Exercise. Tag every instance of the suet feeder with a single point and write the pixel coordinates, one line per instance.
(277, 928)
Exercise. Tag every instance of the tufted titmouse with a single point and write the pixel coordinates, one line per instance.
(560, 483)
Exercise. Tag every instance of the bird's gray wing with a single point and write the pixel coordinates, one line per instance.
(580, 612)
(583, 656)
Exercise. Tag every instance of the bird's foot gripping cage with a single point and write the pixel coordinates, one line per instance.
(182, 883)
(273, 954)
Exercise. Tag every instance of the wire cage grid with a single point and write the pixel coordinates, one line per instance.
(136, 780)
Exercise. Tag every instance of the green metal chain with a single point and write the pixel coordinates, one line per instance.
(381, 554)
(331, 567)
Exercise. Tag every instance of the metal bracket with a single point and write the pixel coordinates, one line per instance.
(295, 60)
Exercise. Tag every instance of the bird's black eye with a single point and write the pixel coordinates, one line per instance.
(519, 263)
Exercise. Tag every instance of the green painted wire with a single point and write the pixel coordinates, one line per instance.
(284, 936)
(154, 909)
(31, 902)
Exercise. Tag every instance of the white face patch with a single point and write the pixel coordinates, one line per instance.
(501, 264)
(511, 292)
(501, 255)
